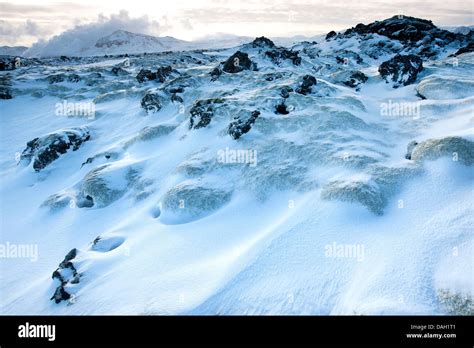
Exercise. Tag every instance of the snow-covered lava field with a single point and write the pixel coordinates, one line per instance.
(326, 177)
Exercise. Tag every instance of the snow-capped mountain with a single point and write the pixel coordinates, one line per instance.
(122, 42)
(330, 177)
(118, 42)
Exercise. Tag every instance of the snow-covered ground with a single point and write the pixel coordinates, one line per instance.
(324, 212)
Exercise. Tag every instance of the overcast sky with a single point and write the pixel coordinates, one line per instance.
(23, 22)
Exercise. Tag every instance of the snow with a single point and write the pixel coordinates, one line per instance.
(250, 239)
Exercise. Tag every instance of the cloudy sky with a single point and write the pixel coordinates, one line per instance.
(23, 22)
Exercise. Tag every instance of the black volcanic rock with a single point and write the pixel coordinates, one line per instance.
(176, 98)
(355, 79)
(117, 70)
(151, 102)
(5, 93)
(465, 49)
(419, 35)
(263, 42)
(215, 73)
(202, 112)
(44, 150)
(279, 54)
(66, 273)
(285, 91)
(281, 108)
(402, 28)
(239, 126)
(330, 35)
(306, 85)
(237, 62)
(402, 70)
(146, 75)
(56, 78)
(73, 78)
(163, 72)
(7, 63)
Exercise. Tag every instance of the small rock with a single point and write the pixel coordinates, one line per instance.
(402, 70)
(238, 62)
(262, 42)
(306, 85)
(151, 102)
(330, 35)
(146, 75)
(44, 150)
(239, 127)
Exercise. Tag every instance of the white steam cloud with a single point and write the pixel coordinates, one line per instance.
(86, 35)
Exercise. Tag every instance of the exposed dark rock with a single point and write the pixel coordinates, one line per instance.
(330, 35)
(355, 79)
(117, 70)
(285, 91)
(176, 89)
(419, 34)
(65, 273)
(56, 78)
(402, 28)
(44, 150)
(176, 98)
(202, 112)
(146, 75)
(277, 55)
(306, 85)
(60, 295)
(273, 76)
(262, 42)
(7, 63)
(69, 256)
(215, 73)
(465, 49)
(151, 102)
(237, 62)
(239, 127)
(281, 108)
(5, 93)
(163, 72)
(402, 70)
(73, 78)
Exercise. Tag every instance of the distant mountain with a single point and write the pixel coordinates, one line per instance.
(119, 42)
(462, 30)
(74, 43)
(12, 50)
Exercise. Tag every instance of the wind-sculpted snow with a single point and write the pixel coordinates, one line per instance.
(219, 181)
(191, 200)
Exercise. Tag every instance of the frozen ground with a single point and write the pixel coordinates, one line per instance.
(331, 213)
